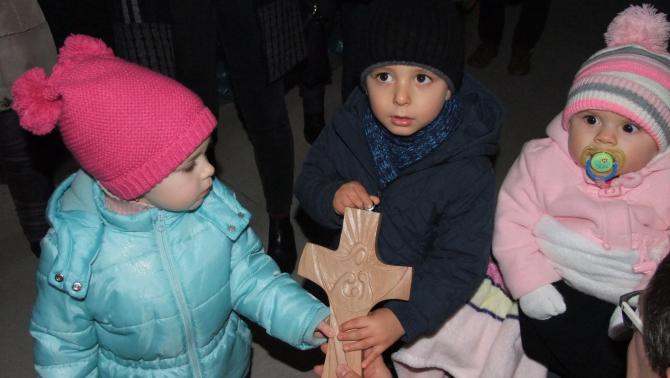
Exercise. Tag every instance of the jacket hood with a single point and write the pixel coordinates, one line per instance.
(477, 135)
(72, 203)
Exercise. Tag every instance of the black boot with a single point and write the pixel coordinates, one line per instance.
(281, 244)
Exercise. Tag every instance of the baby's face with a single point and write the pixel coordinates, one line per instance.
(602, 130)
(186, 187)
(405, 98)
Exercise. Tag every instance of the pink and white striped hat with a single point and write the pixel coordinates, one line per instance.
(631, 77)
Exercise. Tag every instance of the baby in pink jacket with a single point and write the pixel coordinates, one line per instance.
(584, 215)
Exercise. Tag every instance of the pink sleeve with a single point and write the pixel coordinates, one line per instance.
(519, 208)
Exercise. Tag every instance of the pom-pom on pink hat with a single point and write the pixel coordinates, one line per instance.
(631, 77)
(127, 126)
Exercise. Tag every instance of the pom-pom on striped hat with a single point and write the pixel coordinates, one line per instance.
(631, 77)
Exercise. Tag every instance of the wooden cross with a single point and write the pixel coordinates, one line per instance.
(353, 278)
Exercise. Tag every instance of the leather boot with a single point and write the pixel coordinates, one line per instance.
(281, 244)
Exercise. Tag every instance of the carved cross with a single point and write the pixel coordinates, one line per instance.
(353, 278)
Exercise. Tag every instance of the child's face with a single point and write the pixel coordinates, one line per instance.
(405, 98)
(605, 130)
(186, 187)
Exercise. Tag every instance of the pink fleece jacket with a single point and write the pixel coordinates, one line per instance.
(633, 213)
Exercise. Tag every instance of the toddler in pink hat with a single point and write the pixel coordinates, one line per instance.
(150, 261)
(583, 216)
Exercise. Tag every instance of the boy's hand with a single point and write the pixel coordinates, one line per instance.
(376, 369)
(376, 331)
(324, 330)
(353, 194)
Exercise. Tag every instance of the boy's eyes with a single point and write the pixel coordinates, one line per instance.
(383, 76)
(423, 78)
(386, 77)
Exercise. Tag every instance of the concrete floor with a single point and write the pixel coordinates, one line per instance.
(573, 32)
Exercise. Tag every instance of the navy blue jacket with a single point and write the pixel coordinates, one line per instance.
(437, 216)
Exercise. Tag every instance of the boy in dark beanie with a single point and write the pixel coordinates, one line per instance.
(415, 143)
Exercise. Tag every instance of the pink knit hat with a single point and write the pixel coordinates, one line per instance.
(631, 77)
(127, 126)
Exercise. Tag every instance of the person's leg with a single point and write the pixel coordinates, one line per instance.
(263, 111)
(353, 14)
(575, 343)
(532, 19)
(313, 110)
(491, 21)
(29, 179)
(490, 27)
(194, 32)
(315, 73)
(528, 30)
(194, 42)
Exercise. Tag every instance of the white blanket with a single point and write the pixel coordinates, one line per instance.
(586, 265)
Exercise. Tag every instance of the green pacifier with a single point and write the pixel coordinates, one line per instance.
(601, 166)
(602, 162)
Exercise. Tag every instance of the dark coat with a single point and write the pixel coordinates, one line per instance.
(437, 216)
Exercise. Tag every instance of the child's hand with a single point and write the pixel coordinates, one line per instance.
(376, 331)
(324, 330)
(353, 194)
(376, 369)
(542, 303)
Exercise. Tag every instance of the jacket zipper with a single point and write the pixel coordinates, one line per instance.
(179, 296)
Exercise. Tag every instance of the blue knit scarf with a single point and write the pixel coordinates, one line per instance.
(392, 153)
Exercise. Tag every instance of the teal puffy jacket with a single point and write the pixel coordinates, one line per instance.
(158, 293)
